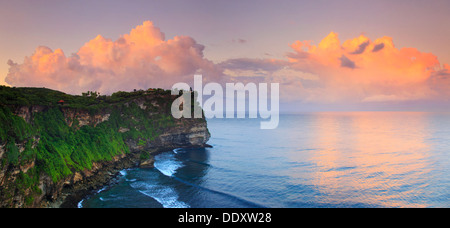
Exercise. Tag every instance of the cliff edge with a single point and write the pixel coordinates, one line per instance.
(51, 142)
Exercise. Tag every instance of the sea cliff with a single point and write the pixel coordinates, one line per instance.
(54, 144)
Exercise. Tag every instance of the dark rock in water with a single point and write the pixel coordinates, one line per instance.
(207, 146)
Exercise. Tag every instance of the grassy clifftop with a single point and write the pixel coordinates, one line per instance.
(88, 100)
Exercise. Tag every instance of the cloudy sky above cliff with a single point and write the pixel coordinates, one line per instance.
(357, 55)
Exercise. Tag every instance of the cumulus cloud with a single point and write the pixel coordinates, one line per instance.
(357, 70)
(351, 72)
(138, 60)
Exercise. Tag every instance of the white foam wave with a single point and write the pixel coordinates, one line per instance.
(123, 172)
(167, 164)
(165, 195)
(80, 204)
(178, 150)
(101, 190)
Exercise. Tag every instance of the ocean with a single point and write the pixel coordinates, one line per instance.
(330, 159)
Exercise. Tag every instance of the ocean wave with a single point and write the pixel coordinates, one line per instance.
(102, 189)
(123, 172)
(228, 195)
(80, 204)
(167, 164)
(178, 150)
(165, 195)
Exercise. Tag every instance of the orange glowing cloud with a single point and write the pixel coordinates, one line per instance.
(357, 70)
(362, 70)
(138, 60)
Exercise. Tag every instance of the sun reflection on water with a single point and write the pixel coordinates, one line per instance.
(377, 159)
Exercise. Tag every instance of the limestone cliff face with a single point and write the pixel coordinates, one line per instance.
(189, 134)
(16, 190)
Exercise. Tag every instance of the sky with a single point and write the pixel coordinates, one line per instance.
(349, 55)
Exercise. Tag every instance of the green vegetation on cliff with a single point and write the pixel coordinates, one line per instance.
(55, 143)
(63, 149)
(88, 101)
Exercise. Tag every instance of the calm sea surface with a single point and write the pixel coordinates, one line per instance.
(355, 159)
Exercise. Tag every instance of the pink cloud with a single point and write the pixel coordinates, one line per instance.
(138, 60)
(362, 70)
(357, 70)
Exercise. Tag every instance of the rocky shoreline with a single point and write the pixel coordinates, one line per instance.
(102, 179)
(71, 195)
